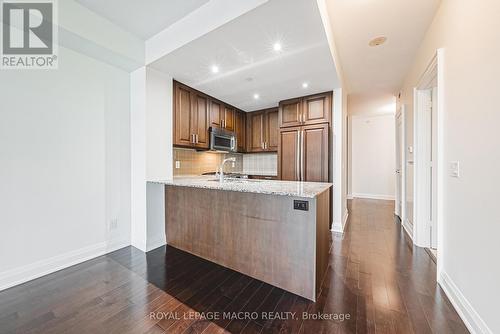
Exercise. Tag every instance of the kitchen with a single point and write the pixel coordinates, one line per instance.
(249, 134)
(247, 182)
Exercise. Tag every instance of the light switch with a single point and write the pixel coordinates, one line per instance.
(177, 164)
(455, 169)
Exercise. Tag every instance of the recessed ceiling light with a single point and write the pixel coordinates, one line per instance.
(256, 96)
(215, 69)
(277, 46)
(378, 41)
(305, 85)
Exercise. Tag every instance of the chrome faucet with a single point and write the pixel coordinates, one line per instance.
(221, 168)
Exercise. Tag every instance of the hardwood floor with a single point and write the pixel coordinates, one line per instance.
(375, 280)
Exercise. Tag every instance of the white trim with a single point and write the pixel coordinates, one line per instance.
(340, 227)
(41, 268)
(375, 196)
(440, 158)
(157, 242)
(408, 229)
(470, 317)
(349, 196)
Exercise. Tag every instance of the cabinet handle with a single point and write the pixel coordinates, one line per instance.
(302, 149)
(221, 123)
(192, 138)
(224, 123)
(297, 158)
(196, 138)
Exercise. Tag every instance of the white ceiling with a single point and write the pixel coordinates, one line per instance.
(243, 51)
(143, 18)
(372, 70)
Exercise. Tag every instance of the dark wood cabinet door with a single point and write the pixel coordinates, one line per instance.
(317, 108)
(201, 116)
(229, 115)
(272, 130)
(183, 115)
(216, 113)
(288, 154)
(315, 153)
(240, 128)
(255, 132)
(290, 112)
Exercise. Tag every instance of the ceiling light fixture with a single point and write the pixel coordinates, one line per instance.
(378, 41)
(215, 69)
(256, 96)
(305, 85)
(277, 46)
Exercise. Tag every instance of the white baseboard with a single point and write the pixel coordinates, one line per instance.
(375, 196)
(41, 268)
(349, 196)
(339, 227)
(475, 324)
(158, 242)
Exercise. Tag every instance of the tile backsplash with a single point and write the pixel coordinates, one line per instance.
(192, 162)
(260, 164)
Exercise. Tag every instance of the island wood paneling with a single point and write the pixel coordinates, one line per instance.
(258, 235)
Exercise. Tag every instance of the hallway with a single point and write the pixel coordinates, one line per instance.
(378, 284)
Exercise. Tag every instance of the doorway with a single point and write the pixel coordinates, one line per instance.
(400, 158)
(427, 164)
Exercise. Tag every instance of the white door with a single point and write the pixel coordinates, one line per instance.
(399, 165)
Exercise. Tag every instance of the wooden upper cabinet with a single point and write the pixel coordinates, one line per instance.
(307, 110)
(229, 114)
(290, 112)
(191, 117)
(216, 113)
(255, 131)
(289, 154)
(271, 130)
(315, 159)
(240, 128)
(200, 120)
(263, 131)
(183, 115)
(317, 108)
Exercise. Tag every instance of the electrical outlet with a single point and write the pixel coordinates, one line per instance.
(113, 225)
(177, 164)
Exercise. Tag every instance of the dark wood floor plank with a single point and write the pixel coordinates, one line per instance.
(375, 276)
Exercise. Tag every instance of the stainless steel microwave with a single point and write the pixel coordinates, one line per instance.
(222, 140)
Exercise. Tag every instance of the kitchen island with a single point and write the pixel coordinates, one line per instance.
(274, 231)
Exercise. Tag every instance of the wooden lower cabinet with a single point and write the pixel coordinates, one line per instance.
(315, 153)
(289, 154)
(303, 153)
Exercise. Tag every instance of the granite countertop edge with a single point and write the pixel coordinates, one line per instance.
(266, 187)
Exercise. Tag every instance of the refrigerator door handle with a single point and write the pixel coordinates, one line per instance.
(297, 159)
(302, 149)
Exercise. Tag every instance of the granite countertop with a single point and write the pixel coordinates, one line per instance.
(271, 187)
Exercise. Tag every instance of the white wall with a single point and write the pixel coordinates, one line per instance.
(365, 105)
(338, 144)
(152, 154)
(373, 156)
(468, 32)
(159, 151)
(64, 165)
